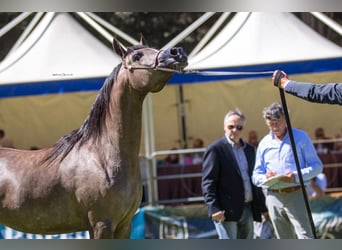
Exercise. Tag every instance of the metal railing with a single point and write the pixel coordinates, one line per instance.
(151, 181)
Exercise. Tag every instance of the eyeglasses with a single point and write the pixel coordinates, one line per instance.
(238, 127)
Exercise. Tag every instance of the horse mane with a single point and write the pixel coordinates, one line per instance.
(92, 126)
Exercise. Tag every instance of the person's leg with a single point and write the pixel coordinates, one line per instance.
(226, 229)
(298, 216)
(282, 226)
(245, 224)
(263, 230)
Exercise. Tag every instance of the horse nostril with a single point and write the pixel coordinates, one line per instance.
(174, 51)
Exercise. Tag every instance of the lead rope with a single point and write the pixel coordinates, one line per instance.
(277, 77)
(208, 73)
(225, 73)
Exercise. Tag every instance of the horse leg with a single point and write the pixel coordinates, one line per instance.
(123, 230)
(91, 233)
(103, 230)
(99, 228)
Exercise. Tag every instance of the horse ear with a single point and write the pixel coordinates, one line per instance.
(142, 39)
(118, 48)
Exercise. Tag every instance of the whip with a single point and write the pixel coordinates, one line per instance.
(279, 74)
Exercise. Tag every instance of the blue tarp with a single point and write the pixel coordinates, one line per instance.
(192, 222)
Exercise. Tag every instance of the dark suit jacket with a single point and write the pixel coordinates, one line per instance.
(222, 184)
(321, 93)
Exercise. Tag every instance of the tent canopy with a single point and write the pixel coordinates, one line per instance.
(264, 41)
(59, 56)
(251, 41)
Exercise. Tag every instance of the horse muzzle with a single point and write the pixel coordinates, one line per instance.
(174, 58)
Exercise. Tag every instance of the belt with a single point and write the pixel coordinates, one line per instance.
(285, 190)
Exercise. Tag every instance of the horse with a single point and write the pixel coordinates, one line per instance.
(89, 180)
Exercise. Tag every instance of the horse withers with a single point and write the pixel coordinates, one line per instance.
(90, 178)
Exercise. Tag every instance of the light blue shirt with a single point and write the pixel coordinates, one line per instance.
(321, 182)
(278, 157)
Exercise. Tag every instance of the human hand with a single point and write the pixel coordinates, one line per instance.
(279, 78)
(288, 177)
(266, 215)
(218, 216)
(270, 174)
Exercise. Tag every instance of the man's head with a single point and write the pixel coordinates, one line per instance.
(233, 124)
(275, 119)
(319, 133)
(198, 143)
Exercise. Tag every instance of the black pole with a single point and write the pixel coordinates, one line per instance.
(293, 145)
(184, 136)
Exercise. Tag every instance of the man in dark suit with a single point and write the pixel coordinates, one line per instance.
(233, 201)
(330, 93)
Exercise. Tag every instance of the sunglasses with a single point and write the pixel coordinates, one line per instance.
(238, 127)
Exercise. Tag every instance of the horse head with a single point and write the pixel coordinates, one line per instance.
(149, 69)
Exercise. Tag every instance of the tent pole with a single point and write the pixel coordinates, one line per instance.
(29, 42)
(210, 33)
(181, 118)
(189, 30)
(14, 22)
(96, 26)
(149, 150)
(112, 28)
(328, 21)
(27, 31)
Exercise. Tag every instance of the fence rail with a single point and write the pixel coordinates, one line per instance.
(332, 167)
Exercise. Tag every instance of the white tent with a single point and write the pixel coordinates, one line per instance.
(59, 49)
(59, 56)
(264, 38)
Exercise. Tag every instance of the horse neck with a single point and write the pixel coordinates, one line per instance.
(123, 122)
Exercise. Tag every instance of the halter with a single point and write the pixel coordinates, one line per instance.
(153, 66)
(196, 72)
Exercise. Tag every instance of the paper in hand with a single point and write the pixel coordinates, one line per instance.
(271, 181)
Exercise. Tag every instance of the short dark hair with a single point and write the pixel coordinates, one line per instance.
(273, 112)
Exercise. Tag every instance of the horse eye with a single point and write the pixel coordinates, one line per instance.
(136, 57)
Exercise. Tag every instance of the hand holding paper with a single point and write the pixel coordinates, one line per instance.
(273, 178)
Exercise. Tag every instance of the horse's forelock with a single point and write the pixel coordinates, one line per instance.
(135, 47)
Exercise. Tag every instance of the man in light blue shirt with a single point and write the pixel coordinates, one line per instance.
(275, 169)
